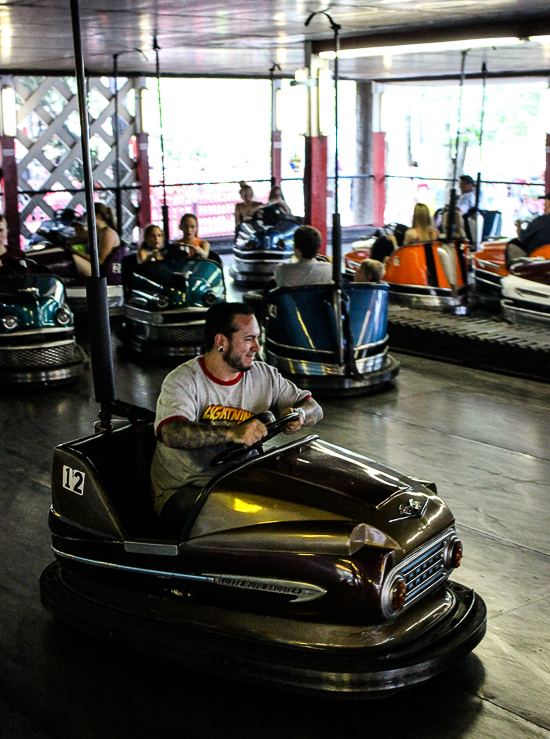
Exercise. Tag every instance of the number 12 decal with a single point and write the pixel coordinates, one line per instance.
(73, 480)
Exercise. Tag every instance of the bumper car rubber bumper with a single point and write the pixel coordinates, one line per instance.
(130, 621)
(46, 375)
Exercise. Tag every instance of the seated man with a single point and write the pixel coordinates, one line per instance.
(467, 197)
(536, 234)
(307, 270)
(206, 402)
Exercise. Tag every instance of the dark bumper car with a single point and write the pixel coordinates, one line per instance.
(306, 567)
(37, 342)
(261, 245)
(50, 249)
(166, 303)
(328, 339)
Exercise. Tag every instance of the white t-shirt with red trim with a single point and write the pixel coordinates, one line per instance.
(192, 393)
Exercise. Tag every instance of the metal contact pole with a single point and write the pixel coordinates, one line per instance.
(96, 286)
(453, 199)
(336, 225)
(478, 182)
(165, 217)
(116, 132)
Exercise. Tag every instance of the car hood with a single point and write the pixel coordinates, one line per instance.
(311, 487)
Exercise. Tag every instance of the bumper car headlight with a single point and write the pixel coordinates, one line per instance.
(63, 317)
(453, 553)
(397, 594)
(9, 322)
(281, 244)
(162, 301)
(210, 298)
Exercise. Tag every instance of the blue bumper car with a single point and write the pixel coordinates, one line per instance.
(261, 245)
(330, 339)
(37, 342)
(166, 303)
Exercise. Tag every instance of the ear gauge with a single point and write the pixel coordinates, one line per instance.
(220, 348)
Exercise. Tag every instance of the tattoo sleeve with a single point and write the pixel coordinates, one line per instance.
(179, 434)
(314, 412)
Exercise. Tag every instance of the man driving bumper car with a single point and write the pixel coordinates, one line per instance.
(212, 400)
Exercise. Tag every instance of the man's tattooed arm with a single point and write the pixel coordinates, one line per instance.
(180, 434)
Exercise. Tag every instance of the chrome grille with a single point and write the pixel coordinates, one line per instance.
(177, 334)
(47, 355)
(423, 570)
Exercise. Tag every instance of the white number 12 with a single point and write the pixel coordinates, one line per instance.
(73, 480)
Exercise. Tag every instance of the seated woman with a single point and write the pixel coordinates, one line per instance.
(190, 245)
(107, 239)
(275, 199)
(245, 210)
(422, 227)
(370, 270)
(151, 248)
(306, 270)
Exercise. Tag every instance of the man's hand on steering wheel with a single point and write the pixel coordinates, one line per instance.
(293, 426)
(247, 433)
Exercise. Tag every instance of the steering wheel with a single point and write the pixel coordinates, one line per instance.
(235, 451)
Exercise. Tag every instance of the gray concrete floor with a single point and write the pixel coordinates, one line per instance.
(482, 437)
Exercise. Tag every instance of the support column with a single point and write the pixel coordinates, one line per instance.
(315, 185)
(275, 136)
(379, 181)
(275, 157)
(142, 171)
(9, 188)
(547, 172)
(363, 188)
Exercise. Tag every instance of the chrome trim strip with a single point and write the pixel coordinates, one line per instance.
(300, 348)
(514, 314)
(357, 349)
(39, 331)
(302, 591)
(321, 369)
(151, 547)
(47, 345)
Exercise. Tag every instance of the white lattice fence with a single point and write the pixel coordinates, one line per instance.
(49, 153)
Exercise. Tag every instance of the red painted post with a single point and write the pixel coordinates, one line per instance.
(276, 156)
(547, 173)
(379, 172)
(315, 185)
(9, 187)
(142, 170)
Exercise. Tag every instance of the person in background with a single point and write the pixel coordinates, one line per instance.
(307, 270)
(107, 239)
(422, 227)
(244, 210)
(467, 197)
(382, 249)
(190, 244)
(275, 199)
(151, 248)
(370, 270)
(536, 234)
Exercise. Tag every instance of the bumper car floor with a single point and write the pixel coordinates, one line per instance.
(482, 437)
